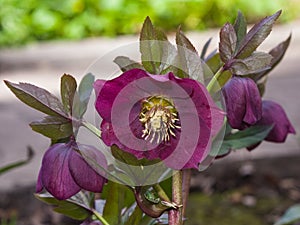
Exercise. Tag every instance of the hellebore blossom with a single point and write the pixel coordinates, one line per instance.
(243, 102)
(158, 117)
(274, 114)
(64, 172)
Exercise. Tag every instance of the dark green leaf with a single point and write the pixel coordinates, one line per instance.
(256, 36)
(126, 63)
(188, 58)
(113, 205)
(53, 127)
(81, 99)
(69, 207)
(183, 41)
(11, 166)
(68, 88)
(291, 216)
(37, 98)
(247, 137)
(278, 52)
(228, 40)
(204, 49)
(240, 27)
(152, 47)
(256, 62)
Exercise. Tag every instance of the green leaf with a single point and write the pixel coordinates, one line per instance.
(247, 137)
(81, 99)
(261, 84)
(240, 27)
(152, 46)
(204, 49)
(126, 63)
(37, 98)
(257, 34)
(277, 52)
(228, 40)
(69, 207)
(291, 216)
(256, 62)
(30, 154)
(135, 217)
(53, 127)
(189, 60)
(68, 88)
(112, 208)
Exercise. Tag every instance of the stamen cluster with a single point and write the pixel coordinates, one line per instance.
(160, 119)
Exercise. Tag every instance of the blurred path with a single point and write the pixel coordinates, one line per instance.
(43, 64)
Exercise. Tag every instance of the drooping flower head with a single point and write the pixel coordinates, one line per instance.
(243, 102)
(273, 114)
(64, 172)
(158, 117)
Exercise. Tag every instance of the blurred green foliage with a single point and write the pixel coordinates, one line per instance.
(30, 20)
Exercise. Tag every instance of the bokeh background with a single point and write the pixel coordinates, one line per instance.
(36, 20)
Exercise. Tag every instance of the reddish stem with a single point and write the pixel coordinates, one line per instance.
(175, 215)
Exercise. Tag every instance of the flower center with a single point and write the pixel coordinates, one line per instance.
(160, 119)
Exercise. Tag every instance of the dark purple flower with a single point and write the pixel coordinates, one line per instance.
(158, 116)
(274, 114)
(243, 102)
(64, 172)
(91, 222)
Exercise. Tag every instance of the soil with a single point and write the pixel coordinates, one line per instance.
(237, 193)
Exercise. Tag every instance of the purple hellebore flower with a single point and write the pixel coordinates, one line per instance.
(158, 117)
(243, 102)
(274, 114)
(64, 172)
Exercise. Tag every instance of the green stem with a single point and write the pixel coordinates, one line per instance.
(175, 215)
(92, 128)
(213, 85)
(100, 217)
(161, 193)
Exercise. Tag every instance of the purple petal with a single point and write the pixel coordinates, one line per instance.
(109, 90)
(55, 173)
(39, 184)
(274, 114)
(243, 102)
(82, 173)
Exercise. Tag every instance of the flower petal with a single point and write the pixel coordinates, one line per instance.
(274, 114)
(109, 90)
(82, 173)
(55, 173)
(243, 102)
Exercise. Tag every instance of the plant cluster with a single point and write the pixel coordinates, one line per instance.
(174, 111)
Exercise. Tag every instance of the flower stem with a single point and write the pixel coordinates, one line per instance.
(92, 128)
(100, 217)
(186, 182)
(175, 215)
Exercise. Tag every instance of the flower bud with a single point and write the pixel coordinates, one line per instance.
(243, 102)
